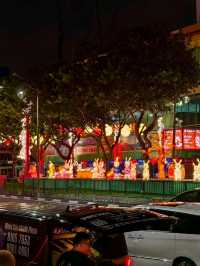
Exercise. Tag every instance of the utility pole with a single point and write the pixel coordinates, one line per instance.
(38, 143)
(174, 129)
(197, 11)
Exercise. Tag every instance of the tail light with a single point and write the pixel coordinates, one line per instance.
(128, 261)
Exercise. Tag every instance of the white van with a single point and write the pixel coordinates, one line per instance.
(175, 244)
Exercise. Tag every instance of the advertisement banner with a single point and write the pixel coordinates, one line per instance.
(26, 241)
(185, 139)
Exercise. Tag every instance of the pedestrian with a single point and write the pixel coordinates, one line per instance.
(6, 258)
(80, 255)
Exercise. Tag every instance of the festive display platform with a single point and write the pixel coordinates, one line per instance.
(165, 187)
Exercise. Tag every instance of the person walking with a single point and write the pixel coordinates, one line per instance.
(80, 254)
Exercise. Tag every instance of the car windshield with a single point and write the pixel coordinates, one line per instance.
(190, 196)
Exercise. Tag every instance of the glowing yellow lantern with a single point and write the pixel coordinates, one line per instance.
(126, 131)
(142, 128)
(108, 130)
(89, 130)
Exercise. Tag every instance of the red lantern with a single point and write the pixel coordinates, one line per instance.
(97, 131)
(7, 142)
(79, 131)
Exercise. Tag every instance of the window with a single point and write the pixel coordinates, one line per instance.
(161, 225)
(191, 196)
(111, 246)
(192, 108)
(187, 224)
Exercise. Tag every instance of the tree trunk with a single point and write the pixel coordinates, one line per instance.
(142, 136)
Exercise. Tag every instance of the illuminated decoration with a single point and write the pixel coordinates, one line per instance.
(142, 128)
(83, 171)
(178, 170)
(98, 170)
(95, 170)
(89, 130)
(117, 171)
(196, 171)
(22, 139)
(51, 170)
(79, 131)
(110, 174)
(161, 127)
(8, 142)
(33, 170)
(97, 131)
(126, 131)
(146, 171)
(108, 130)
(161, 167)
(185, 138)
(65, 171)
(160, 160)
(102, 170)
(170, 169)
(127, 168)
(68, 166)
(133, 172)
(34, 139)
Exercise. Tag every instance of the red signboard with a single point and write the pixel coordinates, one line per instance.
(185, 139)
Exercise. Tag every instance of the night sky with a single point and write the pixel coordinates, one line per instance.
(29, 31)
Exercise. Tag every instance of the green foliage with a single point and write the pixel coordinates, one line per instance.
(141, 72)
(11, 108)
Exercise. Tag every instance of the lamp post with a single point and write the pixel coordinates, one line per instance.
(21, 94)
(25, 136)
(38, 143)
(174, 129)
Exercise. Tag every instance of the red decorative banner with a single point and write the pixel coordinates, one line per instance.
(186, 139)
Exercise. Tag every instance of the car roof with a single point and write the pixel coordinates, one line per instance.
(98, 218)
(187, 191)
(175, 207)
(31, 209)
(106, 219)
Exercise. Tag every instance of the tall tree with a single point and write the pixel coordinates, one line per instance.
(143, 71)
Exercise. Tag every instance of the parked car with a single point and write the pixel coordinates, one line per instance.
(176, 244)
(38, 233)
(188, 196)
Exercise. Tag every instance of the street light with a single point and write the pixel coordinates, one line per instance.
(25, 135)
(21, 93)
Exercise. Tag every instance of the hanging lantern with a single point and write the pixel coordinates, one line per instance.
(78, 131)
(97, 131)
(126, 131)
(88, 130)
(108, 130)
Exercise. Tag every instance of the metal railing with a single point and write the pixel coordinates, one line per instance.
(157, 187)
